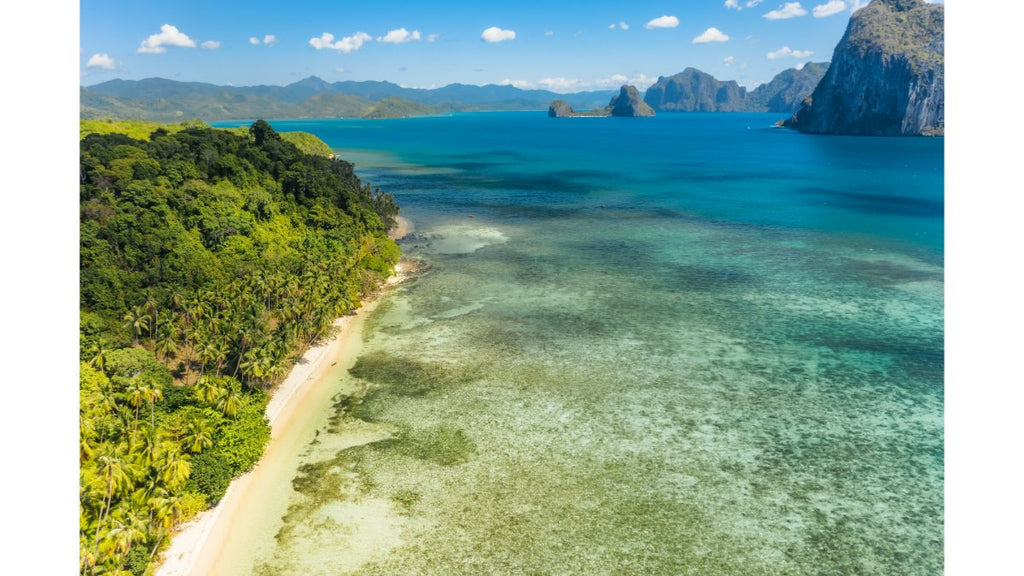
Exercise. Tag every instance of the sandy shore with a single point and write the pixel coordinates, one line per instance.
(194, 548)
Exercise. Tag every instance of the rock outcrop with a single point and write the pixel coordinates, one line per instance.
(886, 77)
(694, 91)
(626, 103)
(787, 90)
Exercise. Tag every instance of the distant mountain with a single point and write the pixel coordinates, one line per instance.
(694, 91)
(786, 92)
(160, 99)
(887, 75)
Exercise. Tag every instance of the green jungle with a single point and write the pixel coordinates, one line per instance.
(209, 261)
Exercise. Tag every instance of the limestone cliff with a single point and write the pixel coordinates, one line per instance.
(694, 91)
(626, 103)
(886, 77)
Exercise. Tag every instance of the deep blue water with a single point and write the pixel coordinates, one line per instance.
(733, 168)
(688, 344)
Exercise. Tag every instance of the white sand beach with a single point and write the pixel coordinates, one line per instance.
(196, 546)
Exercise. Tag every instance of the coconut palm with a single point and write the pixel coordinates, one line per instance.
(228, 400)
(113, 467)
(198, 434)
(174, 468)
(137, 320)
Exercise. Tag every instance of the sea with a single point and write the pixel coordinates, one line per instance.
(687, 344)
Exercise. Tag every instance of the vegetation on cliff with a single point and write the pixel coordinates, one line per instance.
(887, 76)
(208, 261)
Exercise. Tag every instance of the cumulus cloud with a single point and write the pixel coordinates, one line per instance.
(521, 84)
(733, 4)
(662, 22)
(168, 36)
(346, 44)
(101, 60)
(787, 52)
(711, 35)
(829, 8)
(561, 84)
(621, 26)
(210, 45)
(786, 11)
(269, 40)
(399, 36)
(494, 34)
(641, 81)
(433, 37)
(729, 60)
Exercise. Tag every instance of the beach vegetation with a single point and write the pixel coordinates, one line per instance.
(209, 261)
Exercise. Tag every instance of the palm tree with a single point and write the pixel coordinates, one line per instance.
(135, 394)
(153, 394)
(137, 320)
(174, 467)
(113, 467)
(207, 390)
(228, 400)
(198, 434)
(150, 307)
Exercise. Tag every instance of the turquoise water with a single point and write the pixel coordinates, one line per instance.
(690, 344)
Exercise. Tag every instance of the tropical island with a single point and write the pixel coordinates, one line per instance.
(210, 261)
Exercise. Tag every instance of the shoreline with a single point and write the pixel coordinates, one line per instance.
(195, 545)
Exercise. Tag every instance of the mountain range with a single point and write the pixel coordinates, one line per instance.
(159, 99)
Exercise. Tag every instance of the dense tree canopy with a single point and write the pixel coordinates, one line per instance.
(209, 259)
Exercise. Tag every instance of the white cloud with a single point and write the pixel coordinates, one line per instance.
(433, 37)
(521, 84)
(168, 36)
(729, 60)
(641, 81)
(858, 4)
(101, 61)
(711, 35)
(269, 40)
(399, 36)
(621, 26)
(549, 33)
(788, 10)
(829, 8)
(733, 4)
(342, 70)
(210, 45)
(787, 52)
(561, 84)
(753, 3)
(495, 34)
(662, 22)
(346, 44)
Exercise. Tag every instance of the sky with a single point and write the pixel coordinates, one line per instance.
(559, 46)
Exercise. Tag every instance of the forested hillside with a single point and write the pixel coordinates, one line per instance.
(209, 260)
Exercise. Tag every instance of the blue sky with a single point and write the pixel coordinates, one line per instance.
(555, 45)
